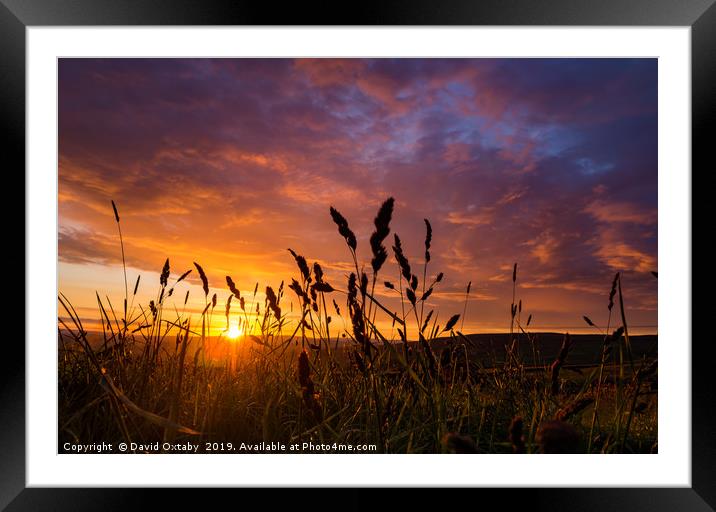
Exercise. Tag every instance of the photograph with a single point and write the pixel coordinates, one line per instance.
(357, 255)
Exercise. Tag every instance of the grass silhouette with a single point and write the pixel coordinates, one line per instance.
(156, 376)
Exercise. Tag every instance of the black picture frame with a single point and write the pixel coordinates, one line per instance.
(700, 15)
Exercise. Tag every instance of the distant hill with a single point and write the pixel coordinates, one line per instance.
(586, 348)
(488, 349)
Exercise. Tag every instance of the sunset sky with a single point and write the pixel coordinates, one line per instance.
(550, 163)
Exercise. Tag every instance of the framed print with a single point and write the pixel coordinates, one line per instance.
(413, 248)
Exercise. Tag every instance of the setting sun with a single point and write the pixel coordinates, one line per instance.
(234, 332)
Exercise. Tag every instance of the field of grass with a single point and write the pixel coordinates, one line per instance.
(154, 375)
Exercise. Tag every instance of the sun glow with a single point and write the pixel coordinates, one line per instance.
(234, 332)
